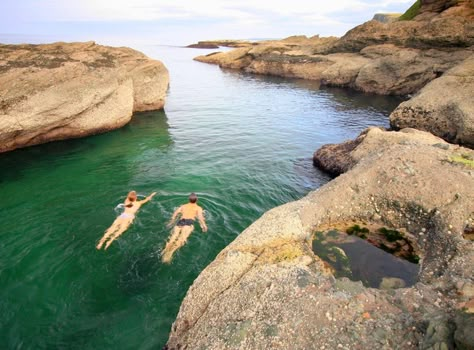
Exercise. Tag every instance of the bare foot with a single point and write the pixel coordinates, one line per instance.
(166, 257)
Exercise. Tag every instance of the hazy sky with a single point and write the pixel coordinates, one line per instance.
(183, 21)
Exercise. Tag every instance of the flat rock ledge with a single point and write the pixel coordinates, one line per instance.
(68, 90)
(267, 290)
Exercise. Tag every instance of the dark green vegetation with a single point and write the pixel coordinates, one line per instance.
(358, 231)
(411, 12)
(390, 235)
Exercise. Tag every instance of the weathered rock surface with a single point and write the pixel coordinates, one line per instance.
(339, 158)
(60, 91)
(444, 107)
(440, 32)
(431, 8)
(267, 290)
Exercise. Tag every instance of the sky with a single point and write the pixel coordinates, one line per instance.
(182, 22)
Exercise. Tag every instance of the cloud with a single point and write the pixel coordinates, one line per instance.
(148, 10)
(205, 19)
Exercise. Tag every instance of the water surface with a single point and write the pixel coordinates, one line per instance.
(243, 143)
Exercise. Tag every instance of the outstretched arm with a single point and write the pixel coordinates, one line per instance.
(202, 222)
(147, 199)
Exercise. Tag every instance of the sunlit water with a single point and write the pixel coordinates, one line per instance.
(243, 143)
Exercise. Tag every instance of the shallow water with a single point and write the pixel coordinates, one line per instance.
(361, 261)
(243, 143)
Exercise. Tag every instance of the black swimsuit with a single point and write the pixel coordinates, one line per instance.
(185, 222)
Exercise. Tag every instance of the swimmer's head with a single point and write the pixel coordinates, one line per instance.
(193, 198)
(132, 196)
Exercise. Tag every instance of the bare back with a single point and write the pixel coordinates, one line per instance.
(190, 211)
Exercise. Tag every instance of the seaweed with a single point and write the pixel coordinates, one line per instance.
(391, 235)
(358, 231)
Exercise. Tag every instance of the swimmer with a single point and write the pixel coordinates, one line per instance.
(189, 212)
(121, 224)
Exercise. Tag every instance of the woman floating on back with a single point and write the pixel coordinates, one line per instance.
(121, 224)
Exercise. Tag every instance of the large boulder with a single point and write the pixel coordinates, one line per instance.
(444, 107)
(68, 90)
(431, 8)
(267, 290)
(440, 32)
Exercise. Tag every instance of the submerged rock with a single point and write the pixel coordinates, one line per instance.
(392, 283)
(68, 90)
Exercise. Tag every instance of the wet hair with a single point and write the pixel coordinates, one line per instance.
(193, 198)
(129, 205)
(132, 196)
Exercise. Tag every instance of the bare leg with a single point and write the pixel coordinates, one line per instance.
(115, 226)
(121, 229)
(174, 237)
(177, 243)
(168, 250)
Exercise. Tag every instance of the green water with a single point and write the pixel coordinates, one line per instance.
(242, 143)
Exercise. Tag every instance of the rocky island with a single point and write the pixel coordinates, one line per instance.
(409, 189)
(68, 90)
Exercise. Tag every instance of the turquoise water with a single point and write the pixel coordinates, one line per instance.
(243, 143)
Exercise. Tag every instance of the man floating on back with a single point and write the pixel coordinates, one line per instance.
(183, 228)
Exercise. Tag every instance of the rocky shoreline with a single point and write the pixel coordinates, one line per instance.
(427, 56)
(416, 184)
(274, 293)
(68, 90)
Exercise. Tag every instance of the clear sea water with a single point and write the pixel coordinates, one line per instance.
(243, 143)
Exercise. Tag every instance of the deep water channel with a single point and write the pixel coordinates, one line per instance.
(243, 143)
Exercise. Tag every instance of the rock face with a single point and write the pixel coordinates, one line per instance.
(444, 107)
(60, 91)
(267, 290)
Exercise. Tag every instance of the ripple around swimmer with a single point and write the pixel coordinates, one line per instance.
(243, 143)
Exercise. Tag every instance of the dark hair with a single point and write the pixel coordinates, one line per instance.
(129, 205)
(193, 198)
